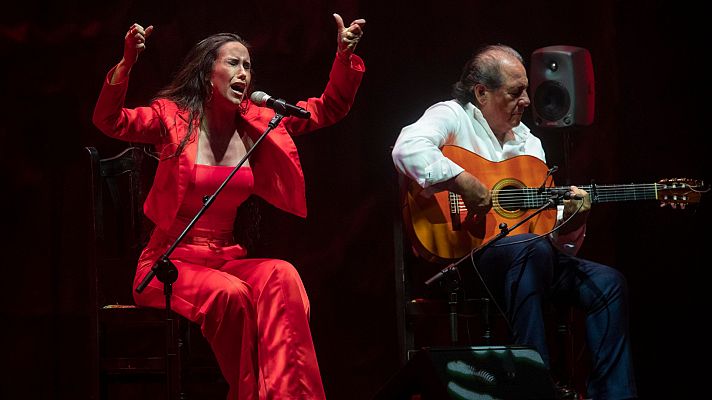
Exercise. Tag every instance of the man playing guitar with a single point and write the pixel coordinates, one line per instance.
(523, 269)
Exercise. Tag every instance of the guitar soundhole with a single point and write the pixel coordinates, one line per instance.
(507, 198)
(505, 202)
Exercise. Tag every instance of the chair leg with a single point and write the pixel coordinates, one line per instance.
(173, 362)
(564, 339)
(486, 327)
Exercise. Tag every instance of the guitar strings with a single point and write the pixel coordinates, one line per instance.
(530, 197)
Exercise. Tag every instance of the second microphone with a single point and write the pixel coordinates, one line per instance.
(279, 106)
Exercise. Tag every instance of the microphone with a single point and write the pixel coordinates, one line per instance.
(279, 106)
(442, 274)
(566, 194)
(569, 195)
(548, 174)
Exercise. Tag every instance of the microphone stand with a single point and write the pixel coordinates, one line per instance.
(166, 272)
(451, 273)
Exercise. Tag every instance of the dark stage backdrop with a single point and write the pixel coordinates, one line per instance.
(650, 123)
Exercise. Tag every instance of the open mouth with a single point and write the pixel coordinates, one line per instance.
(238, 88)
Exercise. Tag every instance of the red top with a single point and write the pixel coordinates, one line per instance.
(219, 218)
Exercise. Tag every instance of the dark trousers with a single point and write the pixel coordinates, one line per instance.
(522, 275)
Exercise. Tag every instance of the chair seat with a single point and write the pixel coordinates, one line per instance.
(467, 308)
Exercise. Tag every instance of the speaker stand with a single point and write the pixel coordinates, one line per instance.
(567, 150)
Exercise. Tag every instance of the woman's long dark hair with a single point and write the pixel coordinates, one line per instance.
(190, 88)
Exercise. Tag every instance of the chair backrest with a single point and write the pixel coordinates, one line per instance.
(119, 229)
(442, 314)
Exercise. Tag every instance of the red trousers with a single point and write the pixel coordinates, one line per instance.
(253, 312)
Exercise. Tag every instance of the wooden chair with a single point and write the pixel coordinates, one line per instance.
(442, 315)
(138, 352)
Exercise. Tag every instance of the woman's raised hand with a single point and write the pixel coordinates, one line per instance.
(347, 38)
(135, 42)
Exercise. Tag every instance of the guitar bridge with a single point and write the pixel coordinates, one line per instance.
(455, 207)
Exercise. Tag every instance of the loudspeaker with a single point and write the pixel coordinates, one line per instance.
(472, 373)
(562, 86)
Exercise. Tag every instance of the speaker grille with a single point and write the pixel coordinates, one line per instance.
(552, 100)
(562, 86)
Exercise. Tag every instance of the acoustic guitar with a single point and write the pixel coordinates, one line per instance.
(436, 226)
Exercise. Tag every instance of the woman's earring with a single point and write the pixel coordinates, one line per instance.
(210, 93)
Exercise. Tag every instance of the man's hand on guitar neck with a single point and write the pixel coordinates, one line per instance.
(575, 206)
(475, 195)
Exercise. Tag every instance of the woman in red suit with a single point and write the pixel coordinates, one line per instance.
(254, 312)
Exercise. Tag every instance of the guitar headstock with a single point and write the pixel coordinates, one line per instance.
(680, 192)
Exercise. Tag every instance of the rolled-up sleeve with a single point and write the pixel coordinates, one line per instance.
(141, 124)
(416, 152)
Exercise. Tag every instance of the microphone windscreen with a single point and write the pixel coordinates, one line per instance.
(259, 97)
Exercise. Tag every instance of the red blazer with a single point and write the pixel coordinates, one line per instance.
(275, 163)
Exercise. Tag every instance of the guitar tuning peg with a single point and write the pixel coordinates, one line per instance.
(682, 206)
(673, 205)
(662, 204)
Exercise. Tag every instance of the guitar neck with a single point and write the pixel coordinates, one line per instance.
(628, 192)
(527, 198)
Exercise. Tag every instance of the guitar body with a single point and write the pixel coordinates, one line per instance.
(436, 224)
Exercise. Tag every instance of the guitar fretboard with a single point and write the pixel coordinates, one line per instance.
(528, 198)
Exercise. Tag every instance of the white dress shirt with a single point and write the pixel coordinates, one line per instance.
(417, 154)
